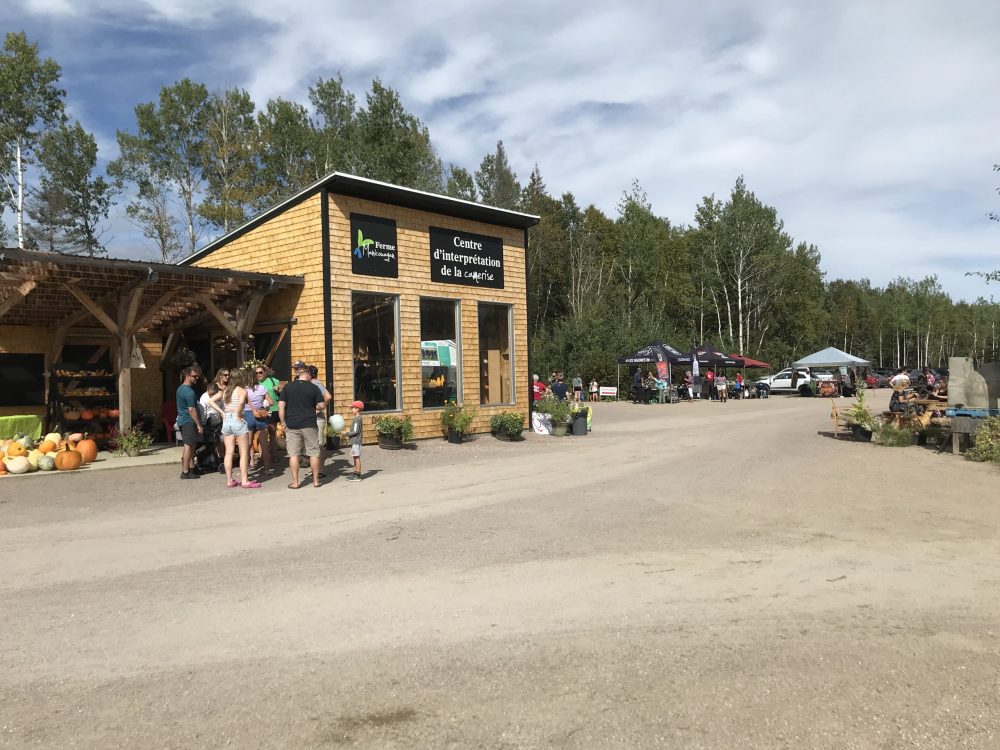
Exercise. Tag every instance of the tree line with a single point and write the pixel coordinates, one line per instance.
(197, 163)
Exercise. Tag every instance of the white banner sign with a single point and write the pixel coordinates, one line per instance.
(609, 390)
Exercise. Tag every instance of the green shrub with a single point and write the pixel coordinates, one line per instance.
(894, 437)
(457, 418)
(987, 442)
(507, 423)
(557, 409)
(401, 427)
(859, 414)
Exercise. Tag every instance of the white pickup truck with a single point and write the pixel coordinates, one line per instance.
(782, 382)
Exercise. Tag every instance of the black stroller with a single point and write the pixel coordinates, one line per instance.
(206, 455)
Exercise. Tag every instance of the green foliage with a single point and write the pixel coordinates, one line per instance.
(393, 426)
(558, 409)
(507, 423)
(230, 159)
(496, 181)
(31, 103)
(71, 202)
(892, 436)
(858, 414)
(133, 439)
(986, 446)
(164, 159)
(457, 417)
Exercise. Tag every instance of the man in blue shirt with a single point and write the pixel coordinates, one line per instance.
(188, 419)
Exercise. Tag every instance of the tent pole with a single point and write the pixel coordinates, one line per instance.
(619, 388)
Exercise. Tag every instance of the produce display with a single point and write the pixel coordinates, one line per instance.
(84, 398)
(54, 452)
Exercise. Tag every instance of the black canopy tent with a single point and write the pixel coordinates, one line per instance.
(656, 351)
(709, 356)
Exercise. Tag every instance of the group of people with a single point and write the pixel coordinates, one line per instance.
(714, 386)
(247, 408)
(912, 398)
(558, 387)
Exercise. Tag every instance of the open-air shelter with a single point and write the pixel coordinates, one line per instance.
(831, 357)
(135, 311)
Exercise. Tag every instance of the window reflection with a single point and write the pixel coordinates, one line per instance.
(376, 354)
(439, 352)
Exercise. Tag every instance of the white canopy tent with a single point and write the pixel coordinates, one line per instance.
(832, 357)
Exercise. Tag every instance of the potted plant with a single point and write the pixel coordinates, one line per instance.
(332, 437)
(393, 431)
(863, 423)
(507, 425)
(558, 411)
(130, 443)
(456, 419)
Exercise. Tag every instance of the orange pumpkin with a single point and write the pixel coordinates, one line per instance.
(87, 414)
(113, 412)
(87, 448)
(15, 449)
(3, 468)
(47, 446)
(68, 460)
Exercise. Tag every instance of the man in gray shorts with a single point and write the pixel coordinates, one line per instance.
(299, 403)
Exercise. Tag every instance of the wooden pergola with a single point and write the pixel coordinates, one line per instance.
(119, 299)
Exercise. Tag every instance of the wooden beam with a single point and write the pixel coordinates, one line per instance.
(156, 307)
(138, 281)
(16, 296)
(93, 308)
(168, 347)
(219, 315)
(274, 347)
(128, 310)
(249, 316)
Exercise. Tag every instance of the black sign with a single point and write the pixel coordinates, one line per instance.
(465, 258)
(373, 246)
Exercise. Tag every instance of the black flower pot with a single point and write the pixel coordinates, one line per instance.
(390, 442)
(861, 434)
(455, 437)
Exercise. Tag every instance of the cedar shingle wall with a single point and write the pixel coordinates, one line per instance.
(291, 243)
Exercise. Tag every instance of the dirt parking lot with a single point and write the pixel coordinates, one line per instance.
(693, 575)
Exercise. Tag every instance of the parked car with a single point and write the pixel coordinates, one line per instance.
(877, 379)
(782, 381)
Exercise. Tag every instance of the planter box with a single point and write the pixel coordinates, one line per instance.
(455, 437)
(560, 430)
(860, 434)
(390, 442)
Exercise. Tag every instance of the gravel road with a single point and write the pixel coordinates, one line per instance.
(694, 575)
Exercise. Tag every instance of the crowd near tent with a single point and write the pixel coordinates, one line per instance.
(831, 357)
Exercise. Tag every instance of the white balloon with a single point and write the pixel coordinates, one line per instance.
(337, 422)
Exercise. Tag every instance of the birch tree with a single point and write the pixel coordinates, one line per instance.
(31, 103)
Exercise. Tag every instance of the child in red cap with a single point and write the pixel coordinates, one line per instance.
(355, 437)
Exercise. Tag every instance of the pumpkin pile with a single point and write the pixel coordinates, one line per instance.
(54, 452)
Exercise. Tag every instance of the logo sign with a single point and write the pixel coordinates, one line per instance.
(374, 250)
(466, 258)
(608, 391)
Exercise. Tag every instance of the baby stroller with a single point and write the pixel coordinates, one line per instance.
(206, 455)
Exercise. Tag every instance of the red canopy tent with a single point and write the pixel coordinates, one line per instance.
(748, 362)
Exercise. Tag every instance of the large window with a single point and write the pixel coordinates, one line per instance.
(439, 352)
(496, 374)
(376, 350)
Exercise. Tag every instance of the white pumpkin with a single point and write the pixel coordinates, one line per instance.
(33, 457)
(18, 465)
(55, 437)
(46, 463)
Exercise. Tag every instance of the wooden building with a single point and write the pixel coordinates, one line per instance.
(410, 299)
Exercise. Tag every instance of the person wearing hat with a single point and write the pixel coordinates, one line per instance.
(298, 406)
(321, 416)
(355, 437)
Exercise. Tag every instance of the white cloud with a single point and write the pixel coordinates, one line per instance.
(868, 126)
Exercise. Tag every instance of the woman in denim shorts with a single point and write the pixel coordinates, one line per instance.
(235, 430)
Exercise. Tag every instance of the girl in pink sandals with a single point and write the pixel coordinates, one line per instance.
(235, 430)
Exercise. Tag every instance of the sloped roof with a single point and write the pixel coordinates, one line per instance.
(341, 183)
(831, 357)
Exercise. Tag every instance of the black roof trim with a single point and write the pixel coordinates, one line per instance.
(340, 183)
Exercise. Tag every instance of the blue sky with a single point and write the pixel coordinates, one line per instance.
(869, 126)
